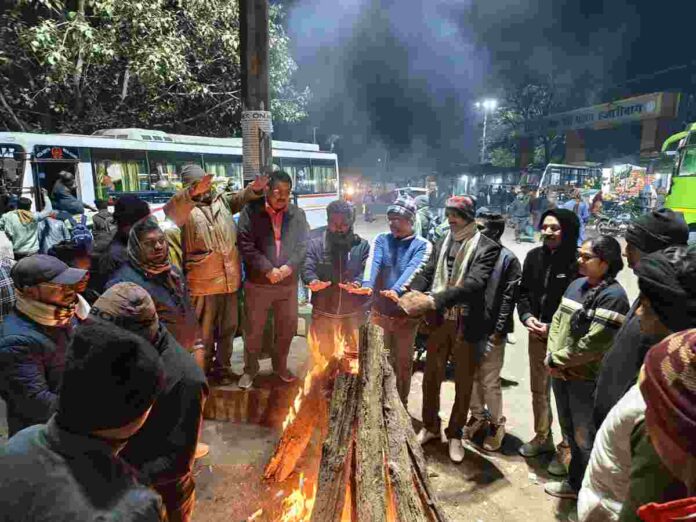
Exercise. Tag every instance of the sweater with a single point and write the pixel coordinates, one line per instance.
(580, 358)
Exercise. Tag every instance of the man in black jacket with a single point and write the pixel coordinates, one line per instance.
(547, 272)
(456, 276)
(501, 295)
(646, 234)
(273, 244)
(163, 450)
(333, 270)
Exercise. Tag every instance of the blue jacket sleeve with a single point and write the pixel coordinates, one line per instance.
(374, 265)
(314, 250)
(364, 256)
(419, 259)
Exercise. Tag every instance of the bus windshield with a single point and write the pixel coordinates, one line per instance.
(687, 163)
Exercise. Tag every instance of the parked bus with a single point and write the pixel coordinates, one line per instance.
(681, 195)
(148, 163)
(563, 178)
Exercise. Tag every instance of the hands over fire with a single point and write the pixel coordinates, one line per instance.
(416, 303)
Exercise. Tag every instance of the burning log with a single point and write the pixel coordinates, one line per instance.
(372, 467)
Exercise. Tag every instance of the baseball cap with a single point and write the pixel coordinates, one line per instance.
(39, 268)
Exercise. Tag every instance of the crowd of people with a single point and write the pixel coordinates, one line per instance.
(110, 339)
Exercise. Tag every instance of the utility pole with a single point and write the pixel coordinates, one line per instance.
(257, 125)
(483, 140)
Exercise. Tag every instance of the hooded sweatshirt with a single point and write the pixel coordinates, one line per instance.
(546, 274)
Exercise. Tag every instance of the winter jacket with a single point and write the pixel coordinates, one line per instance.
(164, 448)
(323, 265)
(32, 359)
(519, 208)
(393, 265)
(210, 268)
(579, 358)
(621, 364)
(51, 232)
(501, 293)
(64, 199)
(48, 474)
(470, 296)
(607, 478)
(257, 242)
(174, 309)
(546, 275)
(103, 227)
(7, 290)
(24, 236)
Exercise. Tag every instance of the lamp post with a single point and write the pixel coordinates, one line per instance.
(487, 106)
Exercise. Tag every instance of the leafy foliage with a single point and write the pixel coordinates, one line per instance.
(82, 65)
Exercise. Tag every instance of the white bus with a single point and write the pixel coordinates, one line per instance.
(148, 163)
(564, 178)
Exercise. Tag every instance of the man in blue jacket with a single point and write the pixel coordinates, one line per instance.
(333, 270)
(396, 259)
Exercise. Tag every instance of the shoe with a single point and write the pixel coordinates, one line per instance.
(473, 426)
(245, 381)
(511, 339)
(456, 450)
(287, 377)
(495, 437)
(537, 446)
(556, 467)
(424, 436)
(201, 450)
(560, 490)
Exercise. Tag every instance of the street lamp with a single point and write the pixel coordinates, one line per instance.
(487, 106)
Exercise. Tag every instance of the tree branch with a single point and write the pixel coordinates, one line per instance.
(11, 113)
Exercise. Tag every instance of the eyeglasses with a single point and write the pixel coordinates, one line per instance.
(586, 257)
(154, 243)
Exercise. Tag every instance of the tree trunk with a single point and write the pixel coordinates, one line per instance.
(79, 66)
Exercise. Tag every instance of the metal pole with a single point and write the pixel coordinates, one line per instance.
(483, 140)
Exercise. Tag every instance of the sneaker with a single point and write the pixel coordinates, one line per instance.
(560, 490)
(456, 450)
(424, 436)
(556, 467)
(287, 376)
(537, 446)
(201, 451)
(245, 381)
(495, 437)
(473, 426)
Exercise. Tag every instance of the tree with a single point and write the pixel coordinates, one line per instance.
(81, 65)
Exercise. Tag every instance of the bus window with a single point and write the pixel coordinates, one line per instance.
(225, 166)
(11, 167)
(117, 171)
(300, 171)
(688, 162)
(324, 179)
(166, 166)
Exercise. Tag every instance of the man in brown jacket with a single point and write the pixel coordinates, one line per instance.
(211, 260)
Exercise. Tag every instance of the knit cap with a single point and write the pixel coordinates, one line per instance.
(466, 205)
(191, 173)
(404, 207)
(128, 306)
(657, 230)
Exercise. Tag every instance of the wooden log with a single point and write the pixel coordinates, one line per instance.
(408, 502)
(337, 454)
(371, 484)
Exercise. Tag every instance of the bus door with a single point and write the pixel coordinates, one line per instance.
(49, 161)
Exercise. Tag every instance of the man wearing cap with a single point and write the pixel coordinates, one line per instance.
(69, 468)
(211, 260)
(456, 277)
(35, 336)
(646, 234)
(163, 450)
(397, 257)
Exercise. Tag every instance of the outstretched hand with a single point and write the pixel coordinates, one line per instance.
(390, 294)
(416, 303)
(260, 182)
(318, 286)
(356, 290)
(202, 186)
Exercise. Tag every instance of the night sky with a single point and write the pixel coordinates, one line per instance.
(397, 80)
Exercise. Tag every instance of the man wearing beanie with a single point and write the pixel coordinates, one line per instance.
(35, 336)
(69, 468)
(456, 277)
(396, 259)
(163, 450)
(211, 260)
(646, 234)
(624, 472)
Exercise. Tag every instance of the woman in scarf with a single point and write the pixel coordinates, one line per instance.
(149, 267)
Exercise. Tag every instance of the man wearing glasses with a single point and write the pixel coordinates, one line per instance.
(273, 244)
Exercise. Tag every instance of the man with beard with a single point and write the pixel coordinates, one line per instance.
(333, 270)
(211, 259)
(34, 338)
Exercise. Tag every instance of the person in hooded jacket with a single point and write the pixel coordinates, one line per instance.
(547, 271)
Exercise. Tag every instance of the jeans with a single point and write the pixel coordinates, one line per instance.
(487, 391)
(575, 404)
(540, 384)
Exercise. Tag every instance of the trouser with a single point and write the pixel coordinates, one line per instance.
(487, 391)
(575, 403)
(443, 343)
(324, 330)
(217, 318)
(520, 225)
(178, 497)
(400, 342)
(540, 384)
(258, 300)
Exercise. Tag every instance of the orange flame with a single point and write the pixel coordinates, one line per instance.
(298, 505)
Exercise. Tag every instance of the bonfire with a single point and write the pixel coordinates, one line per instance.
(372, 468)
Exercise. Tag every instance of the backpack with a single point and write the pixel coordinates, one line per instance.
(80, 233)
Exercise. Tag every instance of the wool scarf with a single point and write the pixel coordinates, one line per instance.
(44, 313)
(469, 238)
